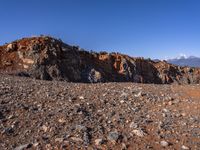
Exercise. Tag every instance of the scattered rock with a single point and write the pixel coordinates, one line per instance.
(139, 94)
(183, 147)
(139, 132)
(39, 112)
(99, 141)
(124, 147)
(22, 147)
(164, 143)
(81, 97)
(113, 136)
(59, 140)
(81, 128)
(76, 139)
(133, 125)
(86, 138)
(44, 128)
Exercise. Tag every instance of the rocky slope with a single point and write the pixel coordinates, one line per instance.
(54, 115)
(51, 59)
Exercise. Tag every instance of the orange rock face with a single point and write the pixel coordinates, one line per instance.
(51, 59)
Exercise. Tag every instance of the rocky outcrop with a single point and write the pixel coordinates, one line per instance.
(50, 59)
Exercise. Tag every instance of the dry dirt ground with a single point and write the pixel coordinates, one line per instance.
(37, 114)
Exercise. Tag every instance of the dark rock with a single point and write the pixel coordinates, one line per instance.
(113, 136)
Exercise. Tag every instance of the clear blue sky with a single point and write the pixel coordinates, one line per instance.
(148, 28)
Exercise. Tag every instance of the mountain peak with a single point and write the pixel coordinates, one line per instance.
(191, 61)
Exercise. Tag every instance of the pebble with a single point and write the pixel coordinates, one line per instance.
(113, 136)
(99, 141)
(133, 125)
(164, 143)
(170, 103)
(184, 147)
(81, 128)
(122, 101)
(81, 97)
(59, 140)
(44, 128)
(124, 147)
(139, 94)
(86, 138)
(25, 146)
(61, 120)
(76, 139)
(139, 132)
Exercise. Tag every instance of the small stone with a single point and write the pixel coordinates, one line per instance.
(183, 114)
(113, 136)
(109, 122)
(133, 125)
(124, 96)
(122, 101)
(76, 139)
(139, 94)
(184, 147)
(124, 147)
(139, 132)
(25, 146)
(170, 103)
(61, 120)
(86, 138)
(44, 128)
(8, 131)
(165, 110)
(35, 144)
(60, 140)
(98, 141)
(81, 97)
(81, 128)
(164, 143)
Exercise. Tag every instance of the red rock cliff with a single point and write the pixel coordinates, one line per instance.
(51, 59)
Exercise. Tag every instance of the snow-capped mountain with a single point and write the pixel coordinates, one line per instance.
(183, 60)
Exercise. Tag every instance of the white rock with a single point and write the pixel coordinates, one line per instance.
(139, 132)
(133, 125)
(76, 139)
(122, 101)
(44, 128)
(164, 143)
(98, 141)
(59, 140)
(138, 95)
(184, 147)
(81, 97)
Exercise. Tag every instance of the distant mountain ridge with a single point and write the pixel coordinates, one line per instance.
(191, 61)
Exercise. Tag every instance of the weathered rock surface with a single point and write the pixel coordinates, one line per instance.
(51, 59)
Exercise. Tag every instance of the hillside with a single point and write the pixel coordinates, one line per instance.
(50, 59)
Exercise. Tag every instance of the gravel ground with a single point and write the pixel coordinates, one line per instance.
(36, 114)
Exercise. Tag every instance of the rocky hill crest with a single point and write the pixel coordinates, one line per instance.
(48, 58)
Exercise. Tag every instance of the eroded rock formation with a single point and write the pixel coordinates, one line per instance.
(50, 59)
